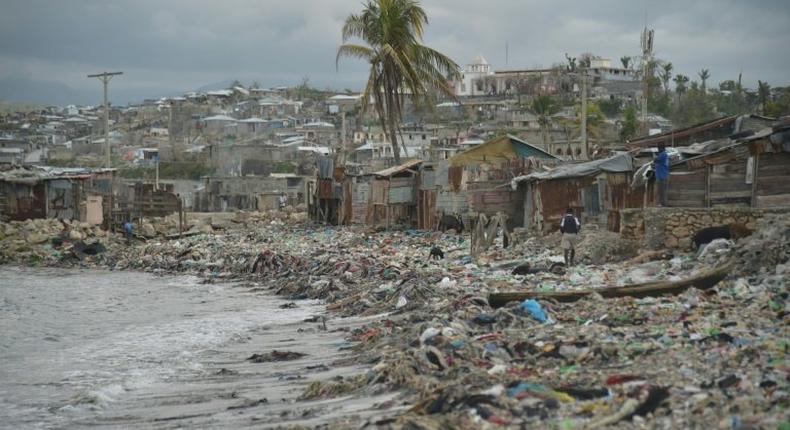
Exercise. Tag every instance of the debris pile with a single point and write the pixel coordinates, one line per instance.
(681, 358)
(47, 241)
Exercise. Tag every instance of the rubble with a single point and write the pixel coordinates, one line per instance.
(700, 359)
(45, 241)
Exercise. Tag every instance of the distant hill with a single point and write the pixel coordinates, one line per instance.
(43, 92)
(222, 85)
(7, 106)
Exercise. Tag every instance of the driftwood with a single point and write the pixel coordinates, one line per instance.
(703, 281)
(649, 256)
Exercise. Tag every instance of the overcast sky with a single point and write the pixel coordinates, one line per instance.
(165, 47)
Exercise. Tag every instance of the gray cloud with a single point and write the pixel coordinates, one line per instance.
(168, 46)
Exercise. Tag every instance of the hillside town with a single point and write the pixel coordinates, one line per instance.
(240, 148)
(597, 243)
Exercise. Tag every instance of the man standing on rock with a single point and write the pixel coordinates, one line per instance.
(569, 226)
(661, 167)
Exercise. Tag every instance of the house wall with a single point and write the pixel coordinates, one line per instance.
(490, 198)
(360, 198)
(686, 188)
(773, 180)
(22, 201)
(617, 194)
(551, 198)
(729, 180)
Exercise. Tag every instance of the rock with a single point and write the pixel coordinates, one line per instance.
(36, 238)
(75, 235)
(147, 230)
(671, 242)
(205, 228)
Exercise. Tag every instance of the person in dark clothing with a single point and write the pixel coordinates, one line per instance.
(128, 230)
(661, 167)
(569, 227)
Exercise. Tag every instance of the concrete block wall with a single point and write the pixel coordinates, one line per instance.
(673, 228)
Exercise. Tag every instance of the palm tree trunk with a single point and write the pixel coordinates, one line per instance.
(393, 137)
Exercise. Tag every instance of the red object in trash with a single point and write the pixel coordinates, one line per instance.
(620, 379)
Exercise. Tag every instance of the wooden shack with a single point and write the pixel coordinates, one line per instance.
(392, 195)
(596, 190)
(477, 181)
(752, 172)
(31, 192)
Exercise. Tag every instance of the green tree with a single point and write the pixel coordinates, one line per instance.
(680, 84)
(544, 107)
(763, 94)
(629, 123)
(626, 60)
(611, 107)
(666, 75)
(704, 75)
(780, 105)
(693, 108)
(399, 63)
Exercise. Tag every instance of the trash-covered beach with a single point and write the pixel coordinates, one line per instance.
(673, 354)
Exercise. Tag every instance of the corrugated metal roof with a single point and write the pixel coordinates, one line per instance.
(500, 148)
(409, 165)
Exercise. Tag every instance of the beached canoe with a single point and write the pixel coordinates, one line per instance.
(703, 280)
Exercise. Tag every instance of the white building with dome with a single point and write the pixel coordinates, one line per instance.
(470, 82)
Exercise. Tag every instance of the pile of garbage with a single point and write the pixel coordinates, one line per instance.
(712, 358)
(49, 241)
(168, 226)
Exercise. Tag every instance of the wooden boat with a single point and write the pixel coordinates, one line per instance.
(703, 280)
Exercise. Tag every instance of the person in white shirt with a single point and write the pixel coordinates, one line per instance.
(283, 201)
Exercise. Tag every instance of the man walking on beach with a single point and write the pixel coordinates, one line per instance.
(661, 167)
(569, 226)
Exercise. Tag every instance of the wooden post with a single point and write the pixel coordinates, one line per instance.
(755, 167)
(46, 199)
(708, 172)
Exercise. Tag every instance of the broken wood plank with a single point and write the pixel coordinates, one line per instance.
(703, 281)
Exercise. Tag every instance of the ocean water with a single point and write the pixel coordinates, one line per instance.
(100, 349)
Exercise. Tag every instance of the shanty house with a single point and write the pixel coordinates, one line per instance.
(62, 193)
(753, 171)
(476, 181)
(593, 188)
(392, 199)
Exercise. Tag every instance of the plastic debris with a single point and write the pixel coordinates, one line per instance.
(535, 310)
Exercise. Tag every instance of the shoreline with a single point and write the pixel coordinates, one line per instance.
(461, 363)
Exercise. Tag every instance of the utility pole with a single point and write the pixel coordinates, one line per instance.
(343, 145)
(105, 78)
(647, 57)
(583, 136)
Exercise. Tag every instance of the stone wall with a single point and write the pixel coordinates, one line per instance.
(658, 228)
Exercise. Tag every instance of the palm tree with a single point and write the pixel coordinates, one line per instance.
(763, 93)
(704, 74)
(399, 63)
(666, 75)
(595, 119)
(626, 60)
(680, 84)
(544, 107)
